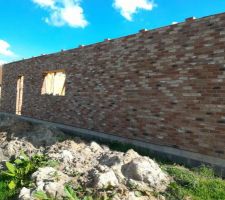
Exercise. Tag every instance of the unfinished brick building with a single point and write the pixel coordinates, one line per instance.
(164, 86)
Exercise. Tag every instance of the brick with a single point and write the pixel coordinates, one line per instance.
(163, 86)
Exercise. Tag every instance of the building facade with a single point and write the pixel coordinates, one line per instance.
(164, 86)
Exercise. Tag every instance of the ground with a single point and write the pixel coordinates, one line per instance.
(43, 163)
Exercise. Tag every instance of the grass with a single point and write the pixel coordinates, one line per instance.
(17, 174)
(188, 184)
(5, 193)
(196, 184)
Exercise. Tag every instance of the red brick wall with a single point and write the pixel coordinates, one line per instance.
(164, 86)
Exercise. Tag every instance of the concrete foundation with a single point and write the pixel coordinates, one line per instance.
(179, 156)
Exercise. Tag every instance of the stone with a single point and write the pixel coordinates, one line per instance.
(2, 156)
(51, 181)
(49, 174)
(80, 162)
(111, 159)
(130, 155)
(95, 147)
(25, 194)
(14, 148)
(51, 136)
(132, 196)
(145, 170)
(103, 180)
(66, 156)
(55, 189)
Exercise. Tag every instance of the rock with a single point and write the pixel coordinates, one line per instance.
(132, 196)
(102, 168)
(130, 155)
(161, 197)
(73, 157)
(110, 160)
(81, 162)
(55, 189)
(15, 147)
(95, 147)
(42, 135)
(103, 180)
(116, 197)
(105, 148)
(2, 156)
(49, 174)
(3, 137)
(40, 186)
(50, 181)
(66, 156)
(147, 171)
(25, 194)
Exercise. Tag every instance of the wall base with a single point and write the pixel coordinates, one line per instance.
(179, 156)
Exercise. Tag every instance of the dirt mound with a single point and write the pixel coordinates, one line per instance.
(97, 166)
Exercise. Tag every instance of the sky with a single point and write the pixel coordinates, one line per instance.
(34, 27)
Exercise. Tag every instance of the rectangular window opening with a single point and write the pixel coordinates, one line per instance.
(54, 83)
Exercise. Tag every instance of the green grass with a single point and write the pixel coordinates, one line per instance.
(196, 184)
(188, 184)
(5, 193)
(17, 174)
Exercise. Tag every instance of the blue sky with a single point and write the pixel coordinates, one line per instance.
(33, 27)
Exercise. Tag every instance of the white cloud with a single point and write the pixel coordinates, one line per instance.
(45, 3)
(64, 12)
(174, 23)
(129, 7)
(2, 62)
(4, 49)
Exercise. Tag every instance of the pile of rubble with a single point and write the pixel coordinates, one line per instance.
(87, 163)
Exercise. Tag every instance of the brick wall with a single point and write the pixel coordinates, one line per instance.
(165, 86)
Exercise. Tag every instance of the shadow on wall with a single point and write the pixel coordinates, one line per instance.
(32, 135)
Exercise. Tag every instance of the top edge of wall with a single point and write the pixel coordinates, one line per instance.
(107, 40)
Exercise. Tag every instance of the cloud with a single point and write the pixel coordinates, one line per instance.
(45, 3)
(129, 7)
(2, 62)
(4, 49)
(64, 12)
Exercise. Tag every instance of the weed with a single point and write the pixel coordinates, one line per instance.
(199, 184)
(5, 193)
(40, 195)
(18, 172)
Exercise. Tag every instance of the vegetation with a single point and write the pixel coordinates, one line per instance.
(198, 184)
(17, 174)
(5, 193)
(188, 184)
(194, 184)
